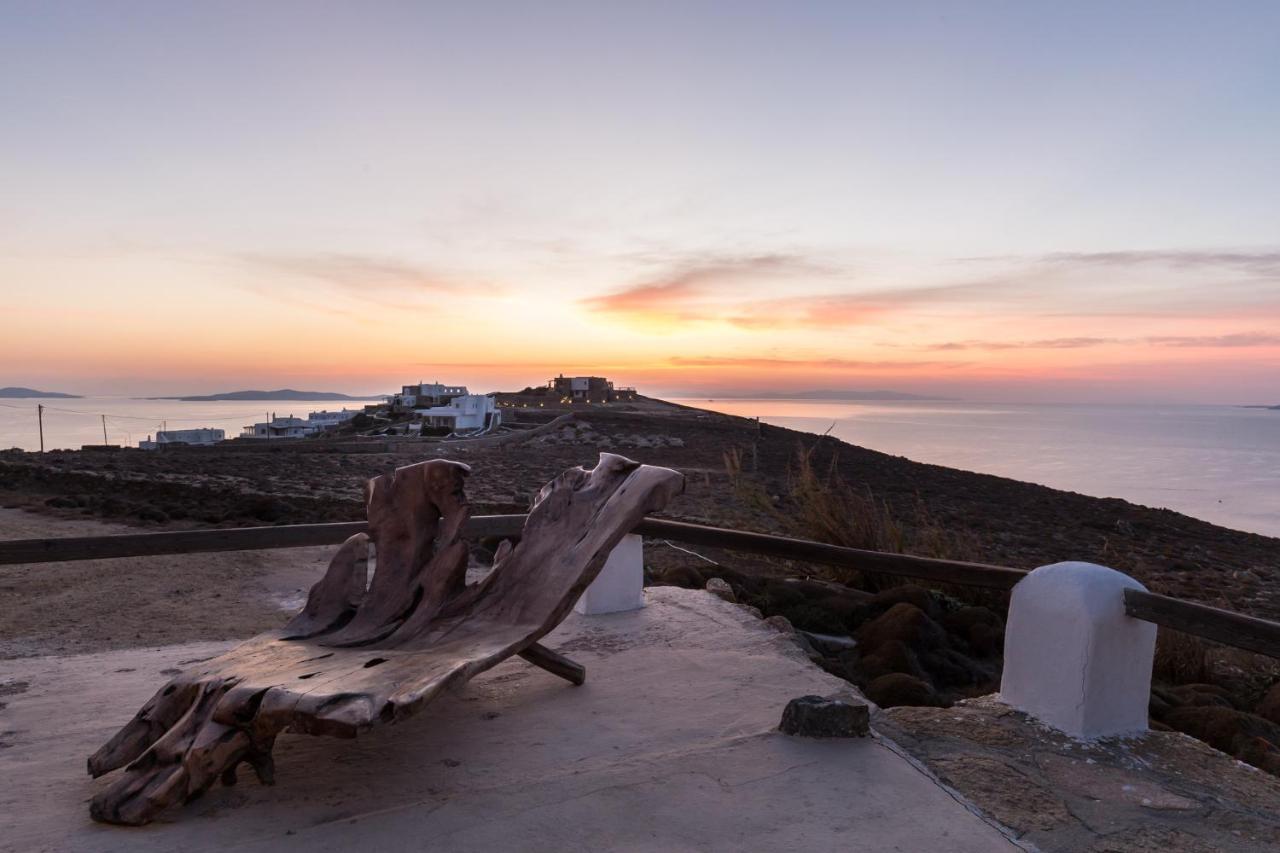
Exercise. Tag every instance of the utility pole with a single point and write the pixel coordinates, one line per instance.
(40, 417)
(104, 430)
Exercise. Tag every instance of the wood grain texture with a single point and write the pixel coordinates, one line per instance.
(356, 657)
(1221, 626)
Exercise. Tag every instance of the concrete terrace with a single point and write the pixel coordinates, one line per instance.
(671, 745)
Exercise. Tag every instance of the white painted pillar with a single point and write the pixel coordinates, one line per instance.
(620, 584)
(1072, 658)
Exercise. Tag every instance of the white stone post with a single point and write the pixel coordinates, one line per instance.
(620, 584)
(1072, 658)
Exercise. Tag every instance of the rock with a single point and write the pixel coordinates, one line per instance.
(889, 691)
(684, 576)
(907, 624)
(1200, 695)
(780, 624)
(783, 626)
(980, 627)
(150, 513)
(814, 716)
(949, 668)
(1157, 707)
(830, 644)
(849, 610)
(754, 611)
(1261, 753)
(890, 657)
(61, 503)
(721, 589)
(909, 593)
(1224, 729)
(1269, 707)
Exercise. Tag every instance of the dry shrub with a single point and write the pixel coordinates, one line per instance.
(1180, 658)
(823, 506)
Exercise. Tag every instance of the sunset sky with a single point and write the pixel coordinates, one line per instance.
(995, 201)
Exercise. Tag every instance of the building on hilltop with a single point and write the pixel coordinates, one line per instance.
(588, 389)
(464, 413)
(184, 437)
(425, 394)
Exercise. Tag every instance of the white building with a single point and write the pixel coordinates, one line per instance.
(324, 420)
(289, 427)
(201, 436)
(465, 413)
(426, 394)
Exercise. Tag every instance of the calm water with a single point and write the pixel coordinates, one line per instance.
(72, 423)
(1218, 463)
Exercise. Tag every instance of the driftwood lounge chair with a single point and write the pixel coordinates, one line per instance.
(356, 657)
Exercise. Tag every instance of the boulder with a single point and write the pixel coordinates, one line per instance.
(908, 593)
(890, 657)
(780, 624)
(682, 576)
(814, 716)
(905, 623)
(890, 691)
(1269, 707)
(721, 589)
(1225, 729)
(980, 627)
(1198, 695)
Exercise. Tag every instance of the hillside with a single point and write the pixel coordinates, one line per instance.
(16, 392)
(282, 394)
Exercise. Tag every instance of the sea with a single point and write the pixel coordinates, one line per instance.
(72, 423)
(1217, 463)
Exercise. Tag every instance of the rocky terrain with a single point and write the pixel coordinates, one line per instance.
(903, 644)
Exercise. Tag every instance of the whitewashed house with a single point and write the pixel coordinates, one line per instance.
(189, 437)
(426, 394)
(466, 413)
(325, 420)
(277, 427)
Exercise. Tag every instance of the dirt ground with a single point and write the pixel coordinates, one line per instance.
(96, 605)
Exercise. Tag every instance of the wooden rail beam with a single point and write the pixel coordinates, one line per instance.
(1221, 626)
(223, 539)
(924, 568)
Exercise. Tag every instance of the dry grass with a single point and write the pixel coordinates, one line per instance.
(1180, 658)
(821, 505)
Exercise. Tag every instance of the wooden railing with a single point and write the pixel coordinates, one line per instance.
(1222, 626)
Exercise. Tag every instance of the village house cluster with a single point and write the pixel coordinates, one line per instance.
(430, 407)
(292, 427)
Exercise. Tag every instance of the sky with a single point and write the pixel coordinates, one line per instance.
(1003, 201)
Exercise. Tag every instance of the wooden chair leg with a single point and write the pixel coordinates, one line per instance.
(555, 663)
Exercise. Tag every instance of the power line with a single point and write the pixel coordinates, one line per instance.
(156, 418)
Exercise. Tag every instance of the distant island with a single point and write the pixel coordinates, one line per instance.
(282, 394)
(828, 394)
(1269, 408)
(31, 392)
